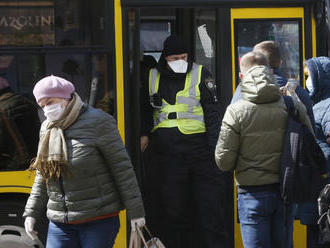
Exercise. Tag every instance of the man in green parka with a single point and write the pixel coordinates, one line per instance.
(250, 142)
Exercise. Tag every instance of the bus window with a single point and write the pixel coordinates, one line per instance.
(152, 37)
(80, 23)
(286, 32)
(31, 69)
(205, 22)
(53, 23)
(72, 67)
(102, 94)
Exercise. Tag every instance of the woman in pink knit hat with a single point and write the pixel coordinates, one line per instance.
(84, 175)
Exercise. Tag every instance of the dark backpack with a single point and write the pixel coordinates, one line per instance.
(303, 165)
(324, 212)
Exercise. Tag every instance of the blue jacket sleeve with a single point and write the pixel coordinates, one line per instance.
(237, 94)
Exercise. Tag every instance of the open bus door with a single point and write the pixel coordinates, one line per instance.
(147, 28)
(217, 35)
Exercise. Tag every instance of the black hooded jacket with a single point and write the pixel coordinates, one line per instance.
(170, 83)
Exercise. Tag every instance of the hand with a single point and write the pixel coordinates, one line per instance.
(138, 222)
(328, 138)
(284, 91)
(144, 140)
(29, 227)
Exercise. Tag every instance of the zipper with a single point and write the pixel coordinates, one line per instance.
(66, 219)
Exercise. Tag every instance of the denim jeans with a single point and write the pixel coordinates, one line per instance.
(100, 233)
(262, 219)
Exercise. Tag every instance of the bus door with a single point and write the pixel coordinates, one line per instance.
(292, 29)
(147, 29)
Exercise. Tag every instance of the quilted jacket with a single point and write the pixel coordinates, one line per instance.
(252, 131)
(102, 178)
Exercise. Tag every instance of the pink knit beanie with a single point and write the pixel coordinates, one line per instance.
(53, 86)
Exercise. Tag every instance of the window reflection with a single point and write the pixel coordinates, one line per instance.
(19, 123)
(102, 95)
(80, 22)
(286, 33)
(52, 23)
(152, 36)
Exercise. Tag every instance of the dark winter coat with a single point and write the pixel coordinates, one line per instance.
(319, 69)
(102, 182)
(19, 130)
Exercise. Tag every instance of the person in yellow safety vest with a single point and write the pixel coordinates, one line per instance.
(187, 198)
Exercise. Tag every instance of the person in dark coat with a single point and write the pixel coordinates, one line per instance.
(187, 196)
(19, 129)
(318, 85)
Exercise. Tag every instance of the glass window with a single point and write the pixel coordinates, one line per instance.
(32, 39)
(73, 67)
(24, 70)
(152, 37)
(79, 23)
(205, 38)
(102, 94)
(19, 130)
(28, 25)
(49, 23)
(286, 32)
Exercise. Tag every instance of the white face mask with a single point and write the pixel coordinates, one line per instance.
(178, 66)
(53, 112)
(309, 84)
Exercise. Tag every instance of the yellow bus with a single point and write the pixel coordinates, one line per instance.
(99, 45)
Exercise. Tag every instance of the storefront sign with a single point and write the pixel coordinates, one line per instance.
(27, 26)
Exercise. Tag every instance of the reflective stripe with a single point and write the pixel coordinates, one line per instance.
(153, 82)
(194, 81)
(183, 115)
(185, 100)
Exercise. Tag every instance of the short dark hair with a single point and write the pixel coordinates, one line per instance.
(271, 49)
(252, 59)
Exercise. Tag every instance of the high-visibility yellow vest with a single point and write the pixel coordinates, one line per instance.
(189, 112)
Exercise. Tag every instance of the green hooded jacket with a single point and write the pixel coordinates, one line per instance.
(252, 131)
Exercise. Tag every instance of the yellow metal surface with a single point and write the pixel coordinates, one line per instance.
(119, 69)
(16, 182)
(300, 235)
(314, 35)
(121, 238)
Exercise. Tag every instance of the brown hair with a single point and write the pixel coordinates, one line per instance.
(252, 59)
(271, 49)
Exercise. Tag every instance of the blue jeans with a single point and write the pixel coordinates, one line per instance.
(262, 219)
(99, 233)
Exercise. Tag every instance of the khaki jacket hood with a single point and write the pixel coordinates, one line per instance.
(258, 86)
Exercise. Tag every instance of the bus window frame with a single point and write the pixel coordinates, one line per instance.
(268, 13)
(298, 20)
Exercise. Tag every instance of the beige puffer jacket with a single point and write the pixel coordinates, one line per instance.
(252, 131)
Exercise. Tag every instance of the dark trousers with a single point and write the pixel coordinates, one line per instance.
(188, 201)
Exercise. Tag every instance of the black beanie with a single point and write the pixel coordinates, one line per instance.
(174, 45)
